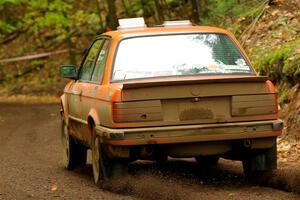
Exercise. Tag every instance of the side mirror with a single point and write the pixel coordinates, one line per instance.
(68, 71)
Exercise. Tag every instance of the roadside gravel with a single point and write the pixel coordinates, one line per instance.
(31, 168)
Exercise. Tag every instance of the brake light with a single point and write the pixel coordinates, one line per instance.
(258, 104)
(137, 111)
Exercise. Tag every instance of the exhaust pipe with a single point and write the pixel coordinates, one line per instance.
(247, 143)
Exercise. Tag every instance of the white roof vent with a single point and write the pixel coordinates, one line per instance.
(131, 23)
(178, 23)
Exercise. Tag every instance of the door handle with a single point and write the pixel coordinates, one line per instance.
(74, 92)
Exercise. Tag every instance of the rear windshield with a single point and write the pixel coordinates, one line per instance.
(178, 55)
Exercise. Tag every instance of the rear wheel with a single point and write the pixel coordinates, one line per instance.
(257, 165)
(74, 154)
(104, 167)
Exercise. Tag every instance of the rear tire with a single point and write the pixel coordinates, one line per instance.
(257, 165)
(74, 154)
(104, 167)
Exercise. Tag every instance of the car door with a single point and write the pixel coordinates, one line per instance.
(78, 88)
(90, 95)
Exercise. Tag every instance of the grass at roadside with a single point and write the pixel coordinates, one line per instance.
(25, 99)
(280, 63)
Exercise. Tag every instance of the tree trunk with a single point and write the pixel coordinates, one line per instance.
(203, 7)
(111, 19)
(146, 9)
(158, 12)
(125, 5)
(71, 46)
(195, 11)
(100, 16)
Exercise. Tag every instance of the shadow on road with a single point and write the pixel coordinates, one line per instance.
(190, 171)
(177, 179)
(180, 179)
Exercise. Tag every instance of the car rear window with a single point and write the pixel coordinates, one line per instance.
(178, 55)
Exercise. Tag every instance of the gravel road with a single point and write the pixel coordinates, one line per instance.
(31, 168)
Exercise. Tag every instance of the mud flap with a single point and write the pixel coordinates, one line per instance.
(263, 161)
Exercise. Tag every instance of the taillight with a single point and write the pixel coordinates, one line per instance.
(137, 111)
(276, 102)
(259, 104)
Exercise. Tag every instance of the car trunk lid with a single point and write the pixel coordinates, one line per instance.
(196, 101)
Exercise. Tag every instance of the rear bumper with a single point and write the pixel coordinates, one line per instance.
(190, 133)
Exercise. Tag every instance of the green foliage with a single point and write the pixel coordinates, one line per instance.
(47, 15)
(41, 26)
(283, 63)
(9, 22)
(55, 18)
(283, 95)
(220, 10)
(6, 27)
(3, 2)
(46, 25)
(232, 15)
(133, 7)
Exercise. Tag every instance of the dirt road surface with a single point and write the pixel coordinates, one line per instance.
(31, 168)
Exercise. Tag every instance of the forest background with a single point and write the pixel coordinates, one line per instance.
(37, 36)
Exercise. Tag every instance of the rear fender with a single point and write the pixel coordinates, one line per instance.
(94, 117)
(93, 121)
(64, 109)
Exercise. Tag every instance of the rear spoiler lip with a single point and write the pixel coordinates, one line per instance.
(190, 82)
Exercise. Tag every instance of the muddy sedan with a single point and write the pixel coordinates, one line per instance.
(176, 90)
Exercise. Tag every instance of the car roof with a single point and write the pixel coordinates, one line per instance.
(124, 33)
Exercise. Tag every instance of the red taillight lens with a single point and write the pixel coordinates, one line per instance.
(258, 104)
(137, 111)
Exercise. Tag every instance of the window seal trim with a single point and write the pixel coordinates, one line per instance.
(100, 49)
(104, 37)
